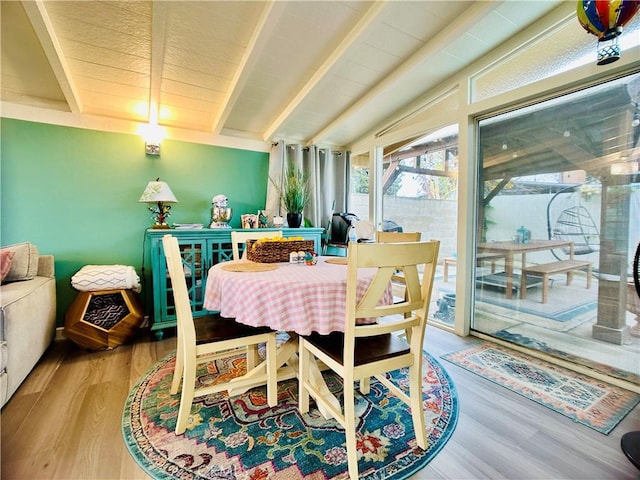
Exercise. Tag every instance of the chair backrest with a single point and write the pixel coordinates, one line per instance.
(242, 237)
(182, 303)
(398, 237)
(395, 237)
(418, 262)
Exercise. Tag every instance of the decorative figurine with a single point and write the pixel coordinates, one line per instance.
(311, 258)
(220, 213)
(263, 219)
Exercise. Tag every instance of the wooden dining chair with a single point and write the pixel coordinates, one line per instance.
(399, 286)
(242, 237)
(371, 350)
(207, 338)
(395, 237)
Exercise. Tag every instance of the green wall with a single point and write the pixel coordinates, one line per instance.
(74, 192)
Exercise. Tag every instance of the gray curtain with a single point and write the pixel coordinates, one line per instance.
(276, 170)
(328, 171)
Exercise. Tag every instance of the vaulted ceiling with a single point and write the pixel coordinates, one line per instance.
(323, 72)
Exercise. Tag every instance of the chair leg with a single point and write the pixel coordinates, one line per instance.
(303, 377)
(252, 356)
(186, 398)
(272, 371)
(407, 334)
(177, 371)
(350, 427)
(417, 414)
(365, 385)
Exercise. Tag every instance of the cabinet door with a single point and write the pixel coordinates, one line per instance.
(219, 250)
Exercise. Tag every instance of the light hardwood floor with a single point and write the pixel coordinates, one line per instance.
(65, 423)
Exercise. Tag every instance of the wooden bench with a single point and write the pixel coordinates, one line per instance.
(446, 261)
(546, 269)
(480, 257)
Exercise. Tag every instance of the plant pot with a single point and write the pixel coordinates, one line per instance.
(294, 220)
(446, 308)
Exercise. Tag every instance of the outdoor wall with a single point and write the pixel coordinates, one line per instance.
(506, 215)
(436, 219)
(74, 192)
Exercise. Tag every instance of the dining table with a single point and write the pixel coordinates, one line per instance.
(293, 298)
(509, 249)
(287, 297)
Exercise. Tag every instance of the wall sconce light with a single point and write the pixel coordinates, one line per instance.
(153, 135)
(159, 194)
(152, 148)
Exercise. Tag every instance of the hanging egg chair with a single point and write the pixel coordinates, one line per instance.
(574, 224)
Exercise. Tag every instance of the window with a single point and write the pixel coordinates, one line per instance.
(420, 187)
(359, 186)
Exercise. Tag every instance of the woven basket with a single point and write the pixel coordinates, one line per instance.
(273, 252)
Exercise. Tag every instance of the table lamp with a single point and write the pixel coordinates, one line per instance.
(159, 194)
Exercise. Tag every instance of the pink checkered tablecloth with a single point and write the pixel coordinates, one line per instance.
(291, 298)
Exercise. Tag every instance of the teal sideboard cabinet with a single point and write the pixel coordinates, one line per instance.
(200, 249)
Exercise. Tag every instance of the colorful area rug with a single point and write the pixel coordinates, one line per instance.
(568, 307)
(242, 437)
(588, 401)
(541, 346)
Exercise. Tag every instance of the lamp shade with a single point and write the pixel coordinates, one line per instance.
(158, 191)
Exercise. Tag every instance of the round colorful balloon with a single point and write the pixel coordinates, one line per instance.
(605, 18)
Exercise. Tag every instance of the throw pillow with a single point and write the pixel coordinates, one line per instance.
(25, 262)
(6, 258)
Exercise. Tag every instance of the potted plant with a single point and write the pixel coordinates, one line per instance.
(294, 193)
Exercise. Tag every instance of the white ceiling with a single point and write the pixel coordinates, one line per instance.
(323, 72)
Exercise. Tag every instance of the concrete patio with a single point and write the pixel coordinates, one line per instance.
(562, 327)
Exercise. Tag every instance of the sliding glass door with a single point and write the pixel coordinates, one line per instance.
(558, 221)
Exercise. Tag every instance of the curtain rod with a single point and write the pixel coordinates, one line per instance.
(291, 145)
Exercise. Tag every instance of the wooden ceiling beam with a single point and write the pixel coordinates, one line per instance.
(43, 28)
(158, 40)
(426, 171)
(390, 174)
(422, 149)
(354, 34)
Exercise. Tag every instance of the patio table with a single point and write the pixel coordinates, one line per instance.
(509, 249)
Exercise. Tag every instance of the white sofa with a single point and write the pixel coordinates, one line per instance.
(27, 320)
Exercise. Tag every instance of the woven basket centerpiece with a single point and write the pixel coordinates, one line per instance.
(274, 250)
